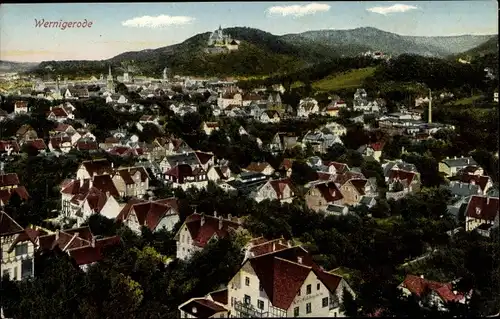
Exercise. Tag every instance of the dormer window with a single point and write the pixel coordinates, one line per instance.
(478, 210)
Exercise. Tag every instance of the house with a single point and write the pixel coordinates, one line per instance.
(9, 185)
(401, 180)
(81, 199)
(60, 114)
(21, 107)
(334, 107)
(264, 168)
(171, 161)
(483, 182)
(184, 176)
(154, 214)
(482, 214)
(18, 248)
(436, 293)
(229, 98)
(269, 116)
(165, 146)
(209, 127)
(451, 166)
(278, 189)
(286, 166)
(282, 141)
(60, 144)
(199, 229)
(79, 243)
(37, 144)
(285, 283)
(274, 99)
(25, 133)
(217, 173)
(87, 169)
(9, 148)
(354, 189)
(336, 128)
(372, 150)
(320, 140)
(461, 190)
(205, 159)
(307, 106)
(131, 181)
(321, 193)
(213, 305)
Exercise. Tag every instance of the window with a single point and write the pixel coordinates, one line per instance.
(308, 307)
(6, 273)
(15, 273)
(325, 302)
(27, 268)
(318, 286)
(21, 249)
(247, 281)
(296, 311)
(308, 289)
(248, 300)
(222, 315)
(260, 304)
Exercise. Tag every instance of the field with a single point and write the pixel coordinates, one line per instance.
(346, 80)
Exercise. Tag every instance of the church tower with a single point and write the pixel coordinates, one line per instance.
(110, 84)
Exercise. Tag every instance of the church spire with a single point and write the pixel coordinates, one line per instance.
(109, 70)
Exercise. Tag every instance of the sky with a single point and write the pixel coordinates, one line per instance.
(121, 27)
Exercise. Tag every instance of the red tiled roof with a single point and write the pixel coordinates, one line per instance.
(9, 179)
(149, 213)
(127, 174)
(87, 145)
(13, 144)
(5, 194)
(38, 144)
(90, 254)
(212, 124)
(61, 127)
(220, 296)
(98, 166)
(279, 186)
(323, 176)
(203, 157)
(282, 274)
(21, 104)
(341, 179)
(339, 167)
(377, 146)
(359, 184)
(401, 175)
(419, 286)
(203, 308)
(201, 234)
(482, 180)
(8, 226)
(57, 141)
(329, 191)
(482, 207)
(24, 129)
(286, 163)
(267, 247)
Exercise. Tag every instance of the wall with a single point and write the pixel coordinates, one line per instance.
(168, 222)
(12, 263)
(111, 209)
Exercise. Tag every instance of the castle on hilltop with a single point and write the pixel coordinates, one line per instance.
(218, 42)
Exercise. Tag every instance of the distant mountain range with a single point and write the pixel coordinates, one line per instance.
(262, 53)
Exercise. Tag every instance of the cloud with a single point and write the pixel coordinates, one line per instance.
(395, 8)
(157, 22)
(298, 10)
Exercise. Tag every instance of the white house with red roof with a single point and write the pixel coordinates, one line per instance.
(21, 107)
(18, 248)
(482, 214)
(199, 229)
(184, 176)
(277, 189)
(60, 114)
(153, 214)
(435, 293)
(372, 150)
(283, 281)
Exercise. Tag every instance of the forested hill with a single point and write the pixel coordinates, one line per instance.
(262, 53)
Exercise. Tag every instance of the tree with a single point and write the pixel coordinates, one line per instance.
(349, 305)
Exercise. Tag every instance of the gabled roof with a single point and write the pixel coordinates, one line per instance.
(149, 213)
(481, 181)
(6, 144)
(482, 207)
(279, 185)
(419, 286)
(98, 166)
(400, 175)
(37, 143)
(201, 308)
(283, 272)
(8, 226)
(204, 157)
(201, 234)
(5, 194)
(257, 167)
(329, 191)
(9, 179)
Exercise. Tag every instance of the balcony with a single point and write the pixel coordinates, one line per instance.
(248, 311)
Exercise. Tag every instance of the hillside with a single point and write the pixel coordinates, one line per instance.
(7, 66)
(262, 53)
(485, 48)
(390, 43)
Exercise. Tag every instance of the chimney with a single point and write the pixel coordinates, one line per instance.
(215, 213)
(57, 234)
(422, 276)
(202, 222)
(299, 260)
(221, 222)
(229, 216)
(93, 241)
(274, 246)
